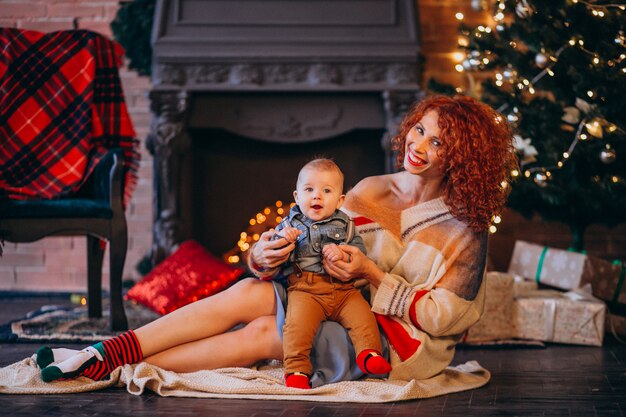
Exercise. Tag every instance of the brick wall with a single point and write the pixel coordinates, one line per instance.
(59, 263)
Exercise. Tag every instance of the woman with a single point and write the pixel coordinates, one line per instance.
(425, 230)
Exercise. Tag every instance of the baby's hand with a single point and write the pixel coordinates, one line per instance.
(334, 253)
(289, 233)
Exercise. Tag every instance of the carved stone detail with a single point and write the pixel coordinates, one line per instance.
(324, 74)
(170, 74)
(246, 74)
(292, 126)
(300, 75)
(167, 141)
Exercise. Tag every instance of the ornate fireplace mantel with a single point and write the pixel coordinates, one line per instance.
(282, 71)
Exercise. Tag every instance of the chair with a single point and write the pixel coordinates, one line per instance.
(96, 211)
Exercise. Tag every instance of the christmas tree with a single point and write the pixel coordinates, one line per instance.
(557, 71)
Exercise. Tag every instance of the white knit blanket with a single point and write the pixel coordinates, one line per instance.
(259, 383)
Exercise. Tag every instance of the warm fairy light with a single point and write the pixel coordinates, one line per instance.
(83, 301)
(462, 41)
(278, 219)
(596, 60)
(280, 210)
(459, 16)
(615, 178)
(279, 203)
(514, 173)
(252, 222)
(550, 72)
(531, 90)
(459, 90)
(243, 235)
(233, 259)
(559, 164)
(565, 155)
(493, 229)
(267, 210)
(572, 42)
(590, 94)
(527, 173)
(583, 136)
(458, 67)
(497, 219)
(458, 56)
(548, 174)
(498, 17)
(255, 237)
(504, 185)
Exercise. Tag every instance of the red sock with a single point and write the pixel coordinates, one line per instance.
(372, 362)
(121, 350)
(297, 380)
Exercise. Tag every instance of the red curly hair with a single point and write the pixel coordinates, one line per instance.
(476, 151)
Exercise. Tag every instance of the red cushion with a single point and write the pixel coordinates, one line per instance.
(187, 275)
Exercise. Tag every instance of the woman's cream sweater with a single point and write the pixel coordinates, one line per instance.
(432, 291)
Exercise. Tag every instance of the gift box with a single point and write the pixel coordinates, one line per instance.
(575, 317)
(495, 323)
(569, 270)
(521, 286)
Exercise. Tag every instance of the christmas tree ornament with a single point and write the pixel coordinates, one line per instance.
(478, 5)
(509, 73)
(525, 148)
(571, 115)
(594, 127)
(541, 179)
(541, 60)
(524, 9)
(514, 117)
(608, 155)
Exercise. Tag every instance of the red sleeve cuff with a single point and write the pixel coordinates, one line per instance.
(412, 314)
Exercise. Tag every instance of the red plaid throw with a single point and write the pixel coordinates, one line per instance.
(61, 109)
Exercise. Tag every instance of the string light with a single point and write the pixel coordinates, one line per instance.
(473, 61)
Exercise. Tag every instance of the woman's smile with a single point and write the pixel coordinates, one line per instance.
(415, 160)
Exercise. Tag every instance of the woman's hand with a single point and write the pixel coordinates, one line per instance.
(357, 265)
(268, 253)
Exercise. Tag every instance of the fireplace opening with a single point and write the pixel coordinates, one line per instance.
(234, 177)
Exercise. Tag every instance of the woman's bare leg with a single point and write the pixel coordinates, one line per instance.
(244, 302)
(256, 341)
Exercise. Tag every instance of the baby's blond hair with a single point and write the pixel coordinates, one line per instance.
(321, 164)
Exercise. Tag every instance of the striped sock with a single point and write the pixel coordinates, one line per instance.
(97, 361)
(46, 355)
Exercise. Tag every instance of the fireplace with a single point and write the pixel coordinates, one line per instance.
(245, 92)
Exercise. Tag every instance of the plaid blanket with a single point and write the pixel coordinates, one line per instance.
(61, 109)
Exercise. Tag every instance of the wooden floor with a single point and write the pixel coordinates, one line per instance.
(556, 381)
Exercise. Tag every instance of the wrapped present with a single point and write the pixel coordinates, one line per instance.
(575, 317)
(521, 286)
(495, 323)
(569, 270)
